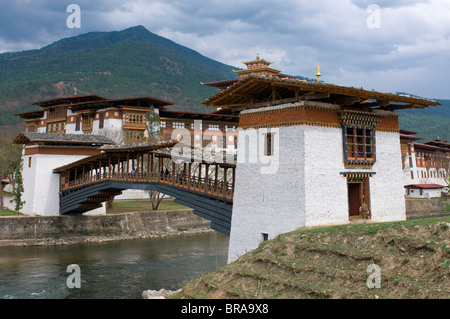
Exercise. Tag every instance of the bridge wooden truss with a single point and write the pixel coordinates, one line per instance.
(204, 185)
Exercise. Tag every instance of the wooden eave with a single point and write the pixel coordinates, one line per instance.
(223, 118)
(419, 146)
(253, 90)
(133, 108)
(168, 154)
(258, 69)
(61, 139)
(143, 103)
(65, 100)
(35, 115)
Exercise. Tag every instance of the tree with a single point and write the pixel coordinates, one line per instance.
(10, 158)
(153, 135)
(18, 189)
(154, 129)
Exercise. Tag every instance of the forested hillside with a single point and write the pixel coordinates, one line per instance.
(136, 62)
(132, 62)
(429, 123)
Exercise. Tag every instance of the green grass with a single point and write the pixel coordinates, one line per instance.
(331, 262)
(7, 212)
(142, 205)
(373, 228)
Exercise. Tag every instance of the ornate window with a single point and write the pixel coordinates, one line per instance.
(359, 137)
(360, 144)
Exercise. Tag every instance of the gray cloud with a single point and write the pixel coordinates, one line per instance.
(407, 53)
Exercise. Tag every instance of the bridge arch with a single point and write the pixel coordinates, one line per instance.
(206, 187)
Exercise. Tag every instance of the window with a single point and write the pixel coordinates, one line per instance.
(214, 127)
(29, 161)
(77, 123)
(101, 120)
(269, 147)
(178, 125)
(359, 144)
(163, 124)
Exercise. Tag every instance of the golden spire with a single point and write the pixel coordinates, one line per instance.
(257, 57)
(318, 72)
(75, 91)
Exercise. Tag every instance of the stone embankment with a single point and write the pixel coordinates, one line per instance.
(64, 230)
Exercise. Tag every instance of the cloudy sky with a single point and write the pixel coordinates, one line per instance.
(395, 45)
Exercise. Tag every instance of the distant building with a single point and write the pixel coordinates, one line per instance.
(124, 120)
(67, 129)
(426, 165)
(425, 190)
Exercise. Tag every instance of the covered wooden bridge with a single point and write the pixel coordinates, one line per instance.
(204, 185)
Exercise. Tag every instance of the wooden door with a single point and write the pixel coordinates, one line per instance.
(354, 199)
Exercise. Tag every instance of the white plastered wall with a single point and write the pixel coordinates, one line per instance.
(308, 188)
(387, 191)
(267, 203)
(41, 185)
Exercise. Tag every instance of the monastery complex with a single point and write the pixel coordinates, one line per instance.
(304, 153)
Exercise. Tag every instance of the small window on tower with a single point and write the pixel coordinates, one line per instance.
(269, 145)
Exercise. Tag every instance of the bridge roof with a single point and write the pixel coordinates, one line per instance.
(199, 158)
(118, 152)
(141, 147)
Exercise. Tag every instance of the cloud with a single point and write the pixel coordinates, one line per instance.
(413, 40)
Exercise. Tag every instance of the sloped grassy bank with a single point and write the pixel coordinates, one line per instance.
(332, 262)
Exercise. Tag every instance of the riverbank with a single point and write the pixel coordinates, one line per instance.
(68, 230)
(339, 262)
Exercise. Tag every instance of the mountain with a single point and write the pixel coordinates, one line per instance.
(128, 63)
(137, 62)
(429, 123)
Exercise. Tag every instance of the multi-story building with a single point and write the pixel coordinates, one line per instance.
(426, 165)
(125, 122)
(310, 153)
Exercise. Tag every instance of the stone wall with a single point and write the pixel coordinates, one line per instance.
(33, 227)
(426, 207)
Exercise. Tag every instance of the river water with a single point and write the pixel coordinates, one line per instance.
(114, 270)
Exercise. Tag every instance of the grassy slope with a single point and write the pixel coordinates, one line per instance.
(331, 262)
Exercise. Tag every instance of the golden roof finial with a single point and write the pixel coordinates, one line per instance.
(318, 72)
(75, 91)
(257, 57)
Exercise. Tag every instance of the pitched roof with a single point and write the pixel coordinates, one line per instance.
(62, 139)
(119, 153)
(255, 90)
(426, 186)
(144, 102)
(69, 100)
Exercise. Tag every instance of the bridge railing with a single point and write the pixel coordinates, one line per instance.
(204, 178)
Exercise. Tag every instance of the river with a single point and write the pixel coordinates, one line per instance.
(114, 270)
